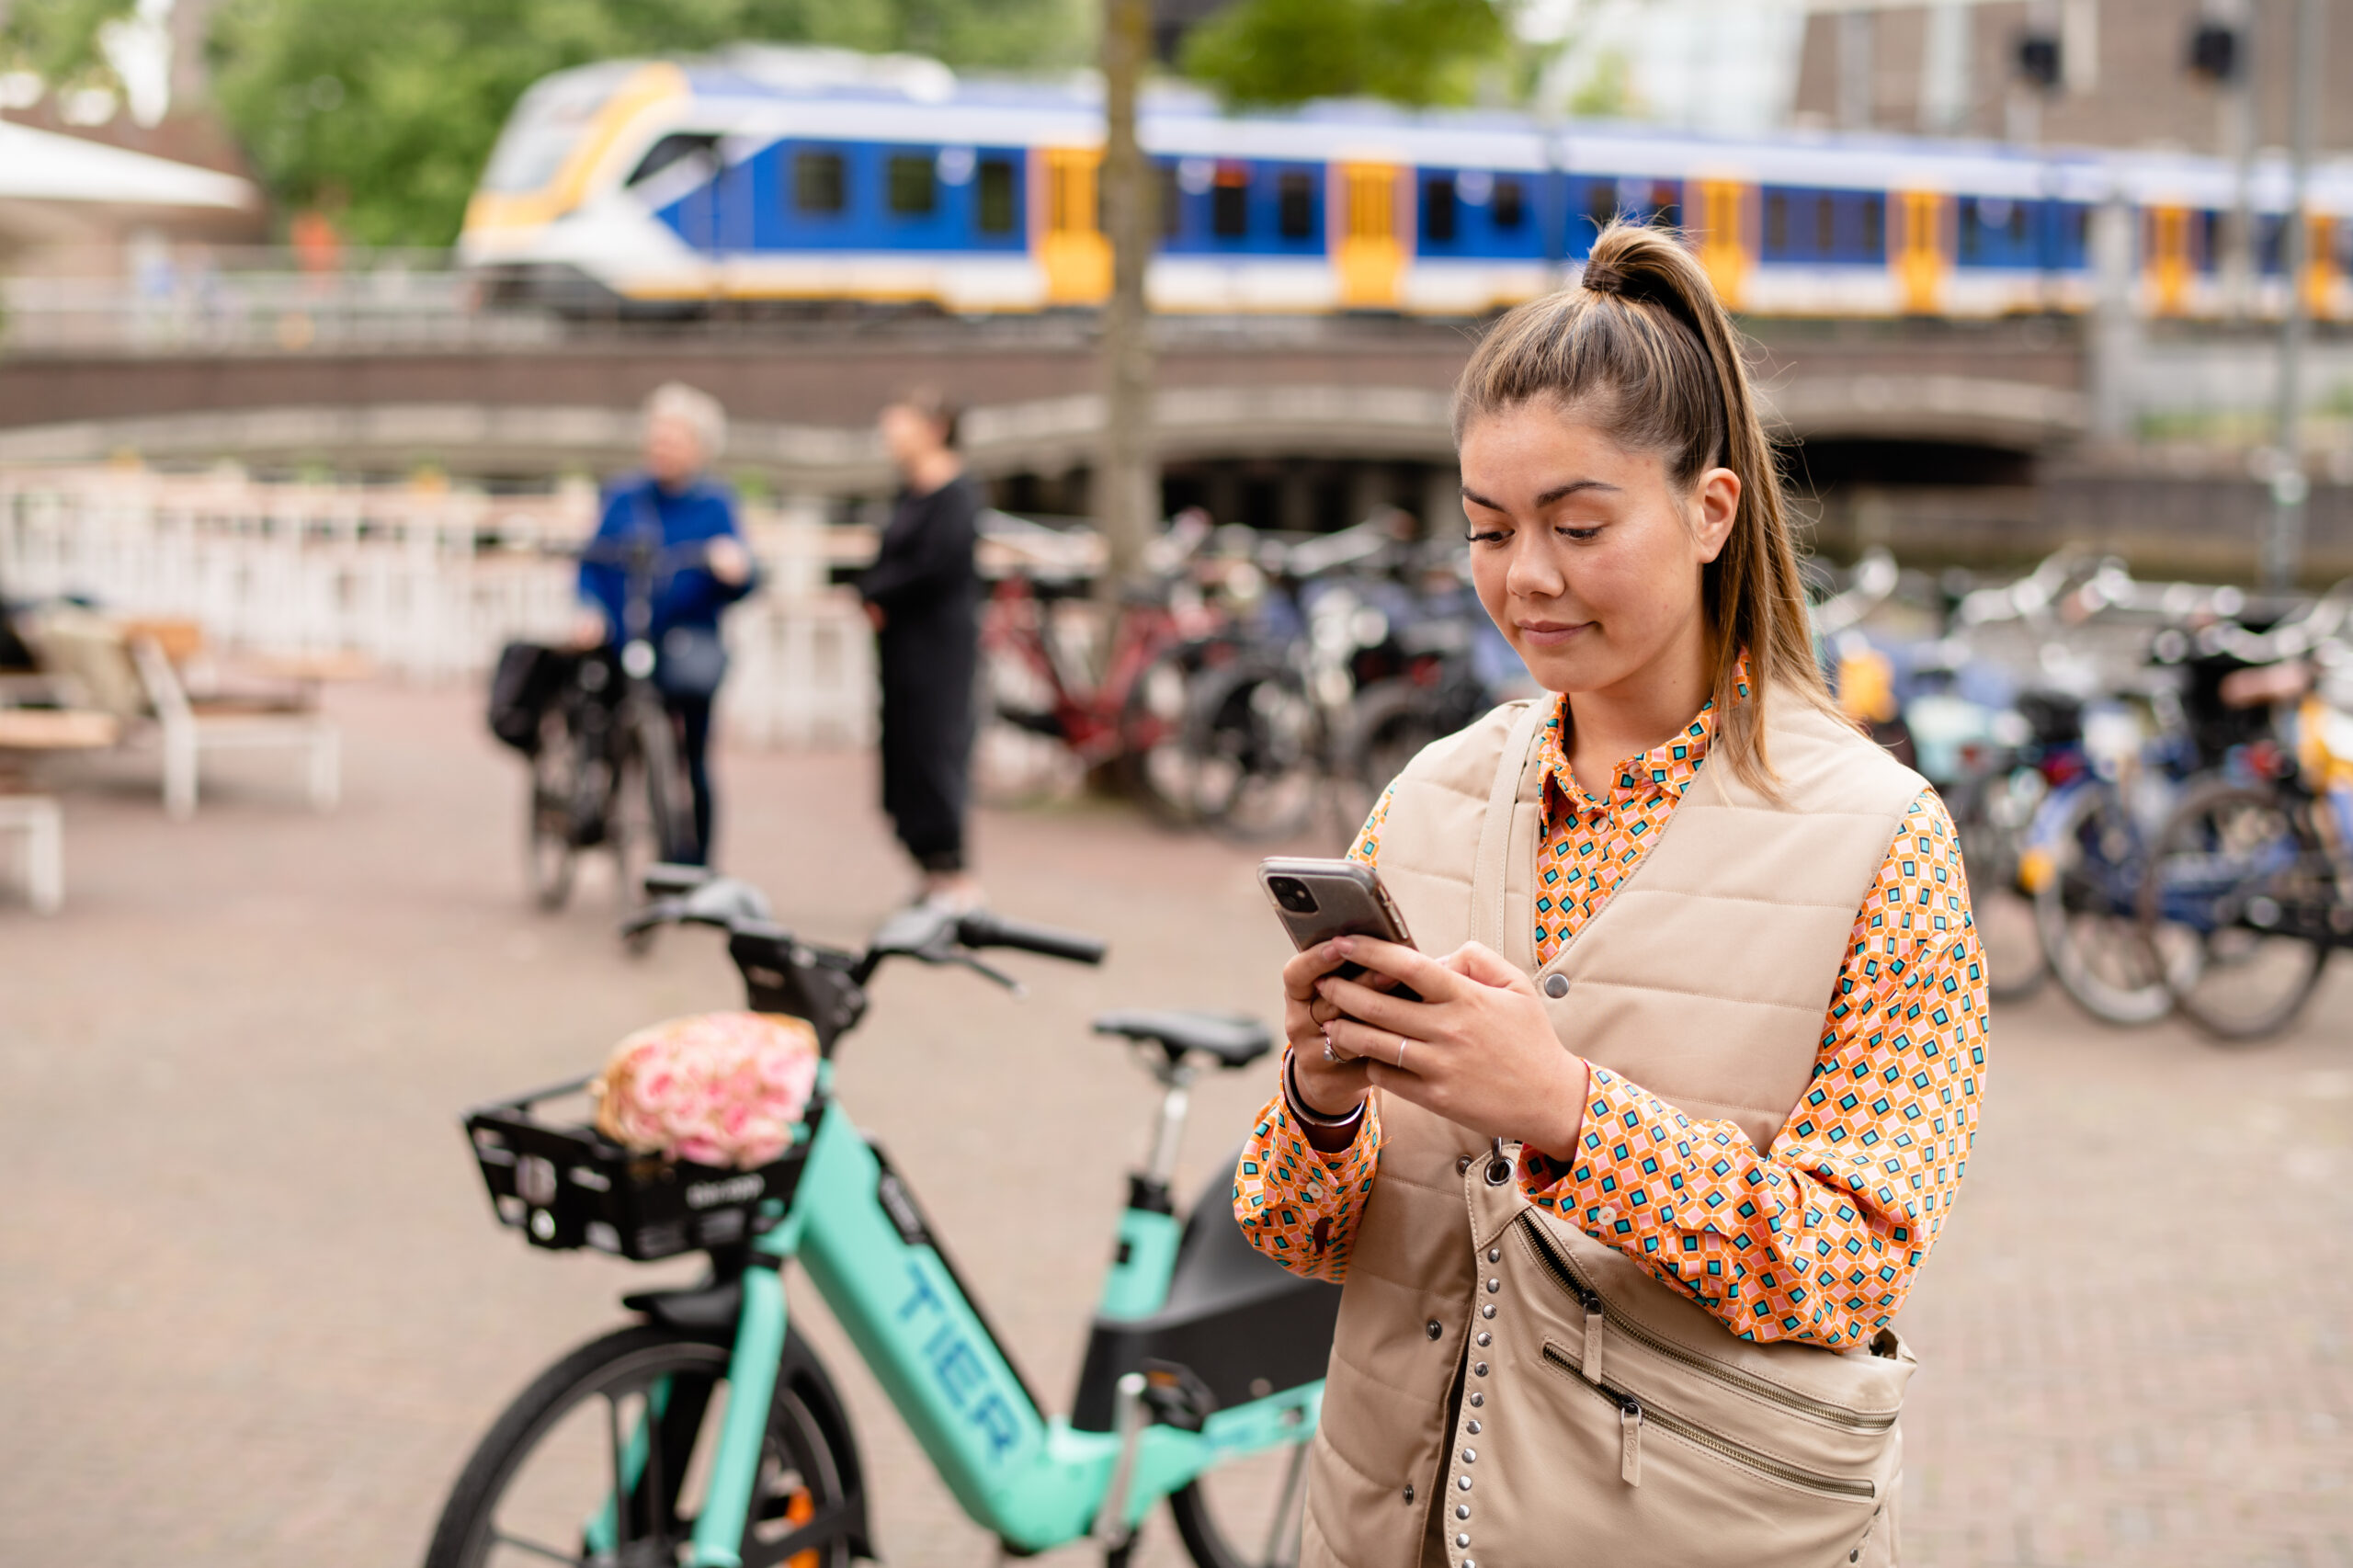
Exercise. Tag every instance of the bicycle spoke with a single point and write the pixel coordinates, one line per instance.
(621, 1478)
(1282, 1538)
(519, 1544)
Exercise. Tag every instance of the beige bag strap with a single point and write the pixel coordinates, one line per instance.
(1490, 872)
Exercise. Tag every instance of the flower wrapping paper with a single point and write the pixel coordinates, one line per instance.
(716, 1088)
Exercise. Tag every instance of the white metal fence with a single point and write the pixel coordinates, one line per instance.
(425, 583)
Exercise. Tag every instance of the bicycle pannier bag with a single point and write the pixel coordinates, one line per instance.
(520, 689)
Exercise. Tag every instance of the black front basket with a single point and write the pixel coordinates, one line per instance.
(566, 1185)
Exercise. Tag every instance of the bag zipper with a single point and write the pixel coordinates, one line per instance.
(1633, 1415)
(1565, 1275)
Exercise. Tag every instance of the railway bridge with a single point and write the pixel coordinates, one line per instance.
(1296, 423)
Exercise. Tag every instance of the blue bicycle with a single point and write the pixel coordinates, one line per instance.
(707, 1435)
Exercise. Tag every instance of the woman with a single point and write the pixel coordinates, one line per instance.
(923, 595)
(1624, 1203)
(703, 569)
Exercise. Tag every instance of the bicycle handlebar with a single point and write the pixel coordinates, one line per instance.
(981, 929)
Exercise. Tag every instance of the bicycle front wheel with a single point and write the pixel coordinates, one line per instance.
(2085, 902)
(2240, 873)
(1246, 1513)
(604, 1460)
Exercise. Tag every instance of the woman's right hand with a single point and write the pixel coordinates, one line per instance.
(1330, 1088)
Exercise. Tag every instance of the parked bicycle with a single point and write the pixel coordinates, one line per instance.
(709, 1435)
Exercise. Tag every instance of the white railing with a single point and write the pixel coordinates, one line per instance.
(425, 583)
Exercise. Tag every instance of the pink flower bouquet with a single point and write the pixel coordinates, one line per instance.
(716, 1088)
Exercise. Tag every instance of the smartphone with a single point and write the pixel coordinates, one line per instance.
(1318, 900)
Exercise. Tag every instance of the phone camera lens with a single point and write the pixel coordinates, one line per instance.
(1292, 894)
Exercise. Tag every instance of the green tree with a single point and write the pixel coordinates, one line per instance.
(60, 38)
(384, 110)
(1287, 52)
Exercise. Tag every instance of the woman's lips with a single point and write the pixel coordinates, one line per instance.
(1552, 633)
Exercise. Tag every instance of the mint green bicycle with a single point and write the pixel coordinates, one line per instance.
(707, 1435)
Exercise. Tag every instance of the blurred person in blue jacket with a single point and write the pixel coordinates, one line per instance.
(703, 567)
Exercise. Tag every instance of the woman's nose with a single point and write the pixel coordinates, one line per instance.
(1533, 575)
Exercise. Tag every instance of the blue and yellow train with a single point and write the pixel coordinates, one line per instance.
(776, 175)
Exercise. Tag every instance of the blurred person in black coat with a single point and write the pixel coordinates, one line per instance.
(923, 593)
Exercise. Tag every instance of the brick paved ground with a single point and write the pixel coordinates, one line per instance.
(252, 1311)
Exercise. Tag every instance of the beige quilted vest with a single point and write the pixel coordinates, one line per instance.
(1603, 1417)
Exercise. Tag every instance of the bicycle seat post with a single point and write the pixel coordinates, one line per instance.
(1175, 1080)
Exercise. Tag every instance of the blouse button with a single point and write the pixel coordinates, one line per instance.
(1556, 986)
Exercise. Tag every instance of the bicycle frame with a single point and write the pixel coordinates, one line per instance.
(1032, 1479)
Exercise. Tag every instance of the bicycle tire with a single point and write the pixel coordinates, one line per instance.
(1260, 745)
(2087, 919)
(549, 852)
(806, 1464)
(1157, 763)
(669, 801)
(2234, 943)
(1208, 1526)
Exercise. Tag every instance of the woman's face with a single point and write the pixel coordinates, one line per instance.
(673, 451)
(909, 435)
(1581, 551)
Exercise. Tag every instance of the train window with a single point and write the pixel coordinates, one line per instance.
(1509, 204)
(995, 211)
(1600, 204)
(1826, 226)
(1668, 213)
(2018, 223)
(1875, 227)
(1170, 195)
(1437, 208)
(671, 148)
(818, 182)
(1972, 235)
(1230, 203)
(1776, 222)
(1295, 205)
(915, 185)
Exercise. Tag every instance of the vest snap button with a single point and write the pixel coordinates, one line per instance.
(1472, 1428)
(1462, 1510)
(1462, 1164)
(1477, 1400)
(1462, 1541)
(1432, 1328)
(1556, 986)
(1494, 1286)
(1479, 1368)
(1488, 1310)
(1495, 1255)
(1409, 1492)
(1464, 1481)
(1485, 1339)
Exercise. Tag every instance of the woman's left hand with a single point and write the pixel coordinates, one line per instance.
(1477, 1050)
(728, 561)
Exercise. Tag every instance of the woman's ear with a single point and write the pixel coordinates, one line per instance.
(1718, 509)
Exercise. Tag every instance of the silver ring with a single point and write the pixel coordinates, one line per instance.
(1328, 1054)
(1400, 1053)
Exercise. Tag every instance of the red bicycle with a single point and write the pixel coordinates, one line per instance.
(1046, 720)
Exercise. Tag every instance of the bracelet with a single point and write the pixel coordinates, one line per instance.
(1297, 1103)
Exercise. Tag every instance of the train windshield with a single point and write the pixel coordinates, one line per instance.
(547, 125)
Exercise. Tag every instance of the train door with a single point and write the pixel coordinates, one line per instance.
(1371, 259)
(2320, 266)
(1922, 254)
(1726, 242)
(2168, 262)
(1072, 247)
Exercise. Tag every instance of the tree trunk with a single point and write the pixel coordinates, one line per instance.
(1127, 488)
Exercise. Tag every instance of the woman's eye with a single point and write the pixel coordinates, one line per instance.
(1581, 534)
(1486, 536)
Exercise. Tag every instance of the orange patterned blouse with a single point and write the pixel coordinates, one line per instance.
(1821, 1240)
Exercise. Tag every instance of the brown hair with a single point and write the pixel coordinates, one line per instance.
(1645, 350)
(945, 413)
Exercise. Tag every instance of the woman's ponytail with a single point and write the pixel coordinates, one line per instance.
(1645, 350)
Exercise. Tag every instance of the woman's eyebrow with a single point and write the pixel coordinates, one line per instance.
(1558, 492)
